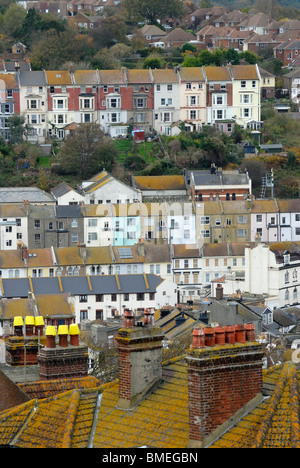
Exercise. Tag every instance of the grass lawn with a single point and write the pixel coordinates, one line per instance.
(128, 147)
(44, 161)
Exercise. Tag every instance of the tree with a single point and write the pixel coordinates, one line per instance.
(152, 62)
(13, 20)
(87, 151)
(153, 10)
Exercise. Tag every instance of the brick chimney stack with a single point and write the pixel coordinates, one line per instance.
(224, 380)
(140, 361)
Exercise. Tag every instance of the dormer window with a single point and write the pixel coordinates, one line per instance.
(286, 258)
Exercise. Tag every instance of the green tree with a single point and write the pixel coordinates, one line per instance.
(152, 62)
(13, 20)
(87, 151)
(153, 10)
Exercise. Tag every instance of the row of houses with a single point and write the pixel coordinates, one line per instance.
(54, 102)
(98, 283)
(199, 207)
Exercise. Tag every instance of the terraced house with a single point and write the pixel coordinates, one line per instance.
(54, 102)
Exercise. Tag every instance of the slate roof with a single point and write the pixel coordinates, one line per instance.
(68, 211)
(33, 78)
(19, 287)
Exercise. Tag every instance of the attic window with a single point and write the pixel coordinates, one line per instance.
(58, 76)
(286, 258)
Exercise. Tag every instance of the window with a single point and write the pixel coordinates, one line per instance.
(37, 238)
(205, 233)
(92, 222)
(243, 84)
(99, 298)
(140, 297)
(259, 218)
(113, 298)
(287, 278)
(205, 220)
(37, 223)
(74, 237)
(83, 298)
(83, 315)
(92, 236)
(75, 223)
(242, 233)
(126, 297)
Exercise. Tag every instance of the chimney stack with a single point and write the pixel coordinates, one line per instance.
(224, 380)
(219, 292)
(140, 361)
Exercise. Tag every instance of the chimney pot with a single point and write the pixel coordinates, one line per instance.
(18, 326)
(63, 336)
(230, 334)
(74, 334)
(29, 323)
(198, 338)
(129, 319)
(220, 336)
(250, 331)
(39, 325)
(50, 336)
(209, 336)
(149, 317)
(240, 335)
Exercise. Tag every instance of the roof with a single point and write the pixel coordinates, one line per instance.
(152, 30)
(86, 77)
(205, 178)
(33, 78)
(186, 251)
(49, 388)
(111, 77)
(19, 194)
(179, 35)
(91, 418)
(10, 80)
(138, 76)
(244, 72)
(11, 394)
(164, 76)
(114, 284)
(258, 20)
(218, 74)
(68, 211)
(58, 77)
(191, 74)
(175, 182)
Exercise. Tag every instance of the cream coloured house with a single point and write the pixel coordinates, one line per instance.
(192, 98)
(246, 96)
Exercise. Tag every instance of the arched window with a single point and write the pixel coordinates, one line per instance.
(227, 196)
(286, 295)
(295, 295)
(233, 196)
